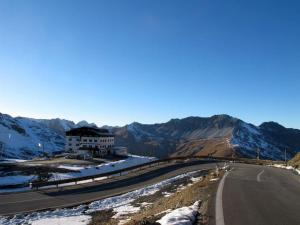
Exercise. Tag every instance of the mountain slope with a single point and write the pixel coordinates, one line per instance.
(219, 135)
(27, 138)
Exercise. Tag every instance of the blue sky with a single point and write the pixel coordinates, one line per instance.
(115, 62)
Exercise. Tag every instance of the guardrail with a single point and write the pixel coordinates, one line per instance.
(39, 184)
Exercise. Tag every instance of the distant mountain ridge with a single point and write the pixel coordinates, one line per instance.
(219, 135)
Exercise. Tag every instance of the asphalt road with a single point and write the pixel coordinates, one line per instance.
(257, 195)
(11, 204)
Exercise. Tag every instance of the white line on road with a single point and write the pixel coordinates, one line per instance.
(258, 176)
(219, 203)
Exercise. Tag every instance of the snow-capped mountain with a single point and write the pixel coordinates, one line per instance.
(27, 138)
(219, 135)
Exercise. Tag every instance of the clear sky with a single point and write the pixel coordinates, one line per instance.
(114, 62)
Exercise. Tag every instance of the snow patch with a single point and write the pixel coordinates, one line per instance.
(132, 160)
(181, 216)
(70, 220)
(124, 210)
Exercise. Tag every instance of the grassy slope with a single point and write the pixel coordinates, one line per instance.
(295, 162)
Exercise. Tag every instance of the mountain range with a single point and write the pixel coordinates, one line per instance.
(219, 135)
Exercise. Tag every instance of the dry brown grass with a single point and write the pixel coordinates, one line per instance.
(202, 147)
(200, 190)
(188, 196)
(103, 217)
(295, 162)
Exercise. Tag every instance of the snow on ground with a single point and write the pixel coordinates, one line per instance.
(144, 204)
(181, 216)
(124, 210)
(18, 179)
(132, 160)
(131, 196)
(71, 220)
(12, 160)
(80, 171)
(23, 137)
(166, 194)
(119, 204)
(282, 166)
(196, 179)
(214, 179)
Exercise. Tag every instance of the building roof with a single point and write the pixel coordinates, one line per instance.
(89, 132)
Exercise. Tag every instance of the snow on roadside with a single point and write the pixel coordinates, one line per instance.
(196, 179)
(71, 220)
(119, 204)
(181, 216)
(133, 195)
(214, 179)
(7, 161)
(79, 171)
(124, 210)
(132, 160)
(282, 166)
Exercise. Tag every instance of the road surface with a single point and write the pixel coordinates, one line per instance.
(257, 195)
(11, 204)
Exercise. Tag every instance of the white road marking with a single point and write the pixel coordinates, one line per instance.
(258, 176)
(219, 203)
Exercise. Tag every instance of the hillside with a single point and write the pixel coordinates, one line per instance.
(27, 138)
(219, 135)
(295, 161)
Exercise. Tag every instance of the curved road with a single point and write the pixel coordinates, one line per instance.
(257, 195)
(11, 204)
(247, 195)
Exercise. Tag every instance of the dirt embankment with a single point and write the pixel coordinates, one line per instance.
(295, 162)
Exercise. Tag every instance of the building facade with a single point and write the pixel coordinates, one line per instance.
(90, 141)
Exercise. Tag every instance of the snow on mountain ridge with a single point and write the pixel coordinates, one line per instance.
(194, 133)
(221, 135)
(251, 139)
(26, 138)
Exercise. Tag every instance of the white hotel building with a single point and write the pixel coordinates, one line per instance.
(90, 141)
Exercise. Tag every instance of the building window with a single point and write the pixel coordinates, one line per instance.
(77, 144)
(77, 139)
(90, 140)
(84, 140)
(95, 140)
(70, 144)
(70, 149)
(70, 139)
(84, 146)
